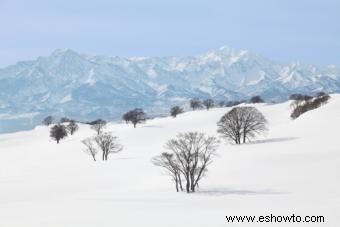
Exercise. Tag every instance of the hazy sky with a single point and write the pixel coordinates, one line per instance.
(284, 30)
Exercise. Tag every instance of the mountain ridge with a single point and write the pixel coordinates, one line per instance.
(86, 87)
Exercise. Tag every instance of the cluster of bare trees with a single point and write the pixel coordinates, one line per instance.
(253, 99)
(104, 142)
(188, 156)
(300, 97)
(196, 103)
(187, 159)
(61, 131)
(241, 124)
(300, 106)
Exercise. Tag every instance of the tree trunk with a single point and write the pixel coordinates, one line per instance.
(187, 187)
(180, 182)
(244, 137)
(94, 158)
(134, 125)
(176, 182)
(192, 179)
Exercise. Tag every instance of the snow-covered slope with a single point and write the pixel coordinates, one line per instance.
(84, 87)
(294, 169)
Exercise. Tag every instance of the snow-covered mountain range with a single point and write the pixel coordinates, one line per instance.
(85, 87)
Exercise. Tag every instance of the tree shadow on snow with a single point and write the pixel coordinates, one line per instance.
(152, 126)
(273, 140)
(229, 191)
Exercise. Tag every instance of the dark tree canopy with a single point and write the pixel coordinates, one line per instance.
(72, 127)
(48, 120)
(58, 132)
(135, 116)
(256, 99)
(208, 103)
(242, 124)
(126, 117)
(195, 103)
(300, 97)
(174, 111)
(98, 121)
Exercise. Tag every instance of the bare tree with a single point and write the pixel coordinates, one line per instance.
(242, 123)
(193, 153)
(195, 103)
(90, 147)
(72, 127)
(253, 123)
(58, 132)
(167, 161)
(230, 125)
(98, 126)
(208, 103)
(48, 120)
(174, 111)
(135, 116)
(108, 144)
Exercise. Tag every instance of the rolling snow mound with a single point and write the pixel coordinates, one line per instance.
(294, 169)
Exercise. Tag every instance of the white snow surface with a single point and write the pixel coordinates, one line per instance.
(294, 169)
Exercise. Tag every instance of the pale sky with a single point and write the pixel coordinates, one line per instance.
(283, 30)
